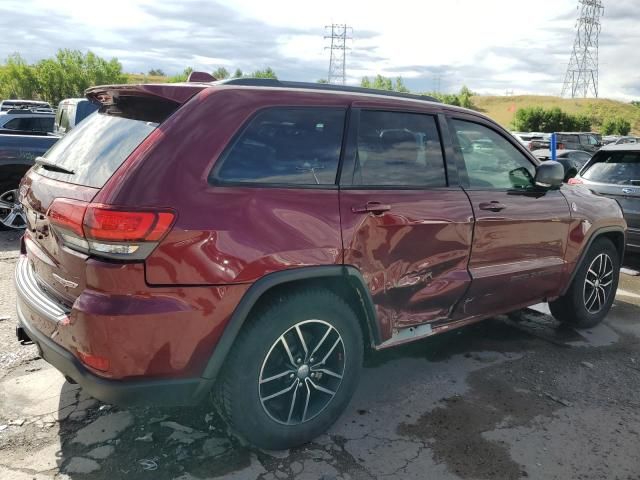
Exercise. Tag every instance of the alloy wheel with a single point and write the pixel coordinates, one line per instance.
(11, 211)
(302, 372)
(598, 283)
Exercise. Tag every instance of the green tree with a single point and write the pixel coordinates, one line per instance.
(181, 77)
(266, 73)
(68, 74)
(380, 82)
(538, 119)
(156, 72)
(18, 79)
(615, 126)
(238, 73)
(461, 99)
(322, 80)
(220, 73)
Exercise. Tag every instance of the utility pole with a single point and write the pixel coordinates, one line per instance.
(340, 33)
(581, 78)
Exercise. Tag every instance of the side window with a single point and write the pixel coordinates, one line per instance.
(398, 149)
(46, 124)
(297, 146)
(14, 124)
(491, 161)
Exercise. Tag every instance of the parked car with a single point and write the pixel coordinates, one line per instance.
(589, 142)
(614, 172)
(42, 107)
(72, 111)
(571, 160)
(17, 155)
(26, 122)
(626, 140)
(533, 141)
(253, 237)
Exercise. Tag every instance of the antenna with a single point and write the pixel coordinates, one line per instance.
(340, 33)
(581, 78)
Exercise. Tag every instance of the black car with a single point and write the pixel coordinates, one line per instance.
(586, 141)
(571, 160)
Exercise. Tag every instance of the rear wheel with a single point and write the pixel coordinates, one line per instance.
(292, 370)
(593, 289)
(12, 215)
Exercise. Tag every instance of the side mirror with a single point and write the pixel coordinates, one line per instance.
(549, 174)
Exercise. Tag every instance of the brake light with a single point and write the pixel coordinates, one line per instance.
(108, 231)
(119, 226)
(94, 361)
(575, 181)
(67, 214)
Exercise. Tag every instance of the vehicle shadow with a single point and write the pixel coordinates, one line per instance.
(105, 442)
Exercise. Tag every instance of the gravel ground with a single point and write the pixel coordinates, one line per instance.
(509, 398)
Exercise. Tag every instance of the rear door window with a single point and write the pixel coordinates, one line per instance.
(620, 168)
(287, 146)
(95, 149)
(398, 149)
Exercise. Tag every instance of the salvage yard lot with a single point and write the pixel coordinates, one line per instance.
(508, 398)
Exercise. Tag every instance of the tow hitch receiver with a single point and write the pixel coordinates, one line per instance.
(22, 336)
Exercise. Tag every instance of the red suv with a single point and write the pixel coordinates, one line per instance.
(253, 237)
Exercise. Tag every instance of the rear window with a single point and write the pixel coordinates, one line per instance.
(614, 167)
(95, 149)
(289, 146)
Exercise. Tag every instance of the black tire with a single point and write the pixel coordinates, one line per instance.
(6, 186)
(577, 306)
(240, 395)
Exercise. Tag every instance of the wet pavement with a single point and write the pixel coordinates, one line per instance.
(512, 397)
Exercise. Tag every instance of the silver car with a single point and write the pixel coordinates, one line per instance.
(614, 171)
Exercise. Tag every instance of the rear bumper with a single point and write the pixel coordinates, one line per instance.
(171, 392)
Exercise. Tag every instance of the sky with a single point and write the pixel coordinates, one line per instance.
(492, 46)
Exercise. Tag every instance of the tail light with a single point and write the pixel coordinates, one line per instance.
(108, 231)
(575, 181)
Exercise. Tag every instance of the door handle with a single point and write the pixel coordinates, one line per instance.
(376, 208)
(493, 206)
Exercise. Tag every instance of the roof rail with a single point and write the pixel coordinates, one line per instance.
(28, 111)
(272, 82)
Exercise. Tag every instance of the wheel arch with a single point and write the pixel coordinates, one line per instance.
(345, 281)
(614, 233)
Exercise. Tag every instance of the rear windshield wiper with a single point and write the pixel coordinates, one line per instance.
(47, 165)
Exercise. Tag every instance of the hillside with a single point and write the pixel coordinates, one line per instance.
(502, 109)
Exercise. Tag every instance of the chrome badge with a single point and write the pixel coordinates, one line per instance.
(629, 191)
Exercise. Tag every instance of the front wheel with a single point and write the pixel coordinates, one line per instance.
(591, 294)
(293, 369)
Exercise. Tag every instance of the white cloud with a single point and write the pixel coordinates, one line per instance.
(491, 46)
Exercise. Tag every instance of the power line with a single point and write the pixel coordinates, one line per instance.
(340, 33)
(581, 78)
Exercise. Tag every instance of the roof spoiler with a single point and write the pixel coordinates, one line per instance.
(178, 93)
(198, 77)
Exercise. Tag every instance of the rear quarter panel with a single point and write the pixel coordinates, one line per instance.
(226, 234)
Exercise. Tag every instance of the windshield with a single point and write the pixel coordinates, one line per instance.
(614, 167)
(95, 149)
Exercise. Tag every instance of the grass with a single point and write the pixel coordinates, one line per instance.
(503, 109)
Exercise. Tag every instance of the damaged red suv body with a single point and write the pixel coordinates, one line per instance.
(252, 237)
